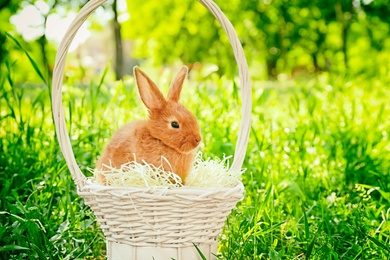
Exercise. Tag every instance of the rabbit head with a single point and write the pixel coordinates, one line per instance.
(169, 121)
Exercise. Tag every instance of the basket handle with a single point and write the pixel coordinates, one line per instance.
(58, 74)
(246, 88)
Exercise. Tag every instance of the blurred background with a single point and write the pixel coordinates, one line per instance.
(280, 38)
(317, 180)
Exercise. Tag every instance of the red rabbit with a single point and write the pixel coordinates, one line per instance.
(171, 131)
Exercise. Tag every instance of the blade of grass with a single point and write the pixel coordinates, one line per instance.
(371, 238)
(199, 252)
(309, 249)
(12, 248)
(32, 61)
(307, 229)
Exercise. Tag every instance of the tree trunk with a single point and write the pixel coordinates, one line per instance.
(119, 66)
(315, 62)
(344, 17)
(345, 47)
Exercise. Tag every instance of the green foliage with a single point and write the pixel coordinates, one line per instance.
(318, 172)
(182, 30)
(317, 180)
(40, 215)
(278, 36)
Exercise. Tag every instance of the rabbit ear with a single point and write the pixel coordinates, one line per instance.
(177, 84)
(149, 92)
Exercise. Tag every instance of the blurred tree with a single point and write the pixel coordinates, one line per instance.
(378, 16)
(10, 8)
(7, 9)
(119, 69)
(345, 13)
(280, 35)
(169, 30)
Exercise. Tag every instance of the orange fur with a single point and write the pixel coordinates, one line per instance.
(152, 139)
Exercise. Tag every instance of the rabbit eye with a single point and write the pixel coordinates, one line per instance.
(175, 124)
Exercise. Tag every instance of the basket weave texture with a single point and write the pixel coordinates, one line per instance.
(155, 217)
(161, 217)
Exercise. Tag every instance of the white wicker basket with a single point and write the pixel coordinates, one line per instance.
(156, 223)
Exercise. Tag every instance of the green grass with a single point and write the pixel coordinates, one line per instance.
(320, 181)
(318, 165)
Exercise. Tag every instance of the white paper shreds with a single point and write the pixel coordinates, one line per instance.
(213, 173)
(133, 174)
(207, 173)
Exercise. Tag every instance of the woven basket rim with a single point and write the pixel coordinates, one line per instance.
(92, 185)
(58, 114)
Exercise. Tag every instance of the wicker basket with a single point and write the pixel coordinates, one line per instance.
(156, 223)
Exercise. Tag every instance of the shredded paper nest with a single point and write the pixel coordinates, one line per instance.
(209, 173)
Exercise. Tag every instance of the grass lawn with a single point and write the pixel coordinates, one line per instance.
(317, 179)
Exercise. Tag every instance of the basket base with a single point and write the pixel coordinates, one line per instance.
(118, 251)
